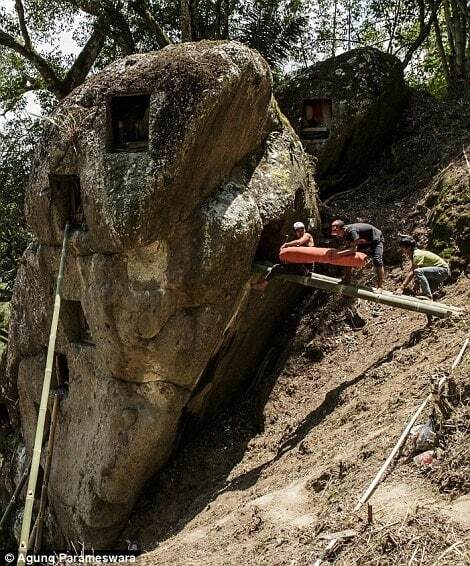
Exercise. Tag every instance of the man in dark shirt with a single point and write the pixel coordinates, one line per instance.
(361, 237)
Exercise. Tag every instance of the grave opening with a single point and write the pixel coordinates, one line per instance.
(4, 417)
(75, 324)
(67, 198)
(61, 370)
(316, 119)
(129, 122)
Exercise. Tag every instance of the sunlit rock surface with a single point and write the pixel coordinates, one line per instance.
(172, 192)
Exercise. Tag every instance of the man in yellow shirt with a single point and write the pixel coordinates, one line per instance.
(426, 267)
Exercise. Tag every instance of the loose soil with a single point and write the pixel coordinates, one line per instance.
(282, 468)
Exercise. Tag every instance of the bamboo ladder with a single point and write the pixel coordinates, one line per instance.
(335, 285)
(38, 439)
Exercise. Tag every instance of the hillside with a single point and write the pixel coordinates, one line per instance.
(286, 462)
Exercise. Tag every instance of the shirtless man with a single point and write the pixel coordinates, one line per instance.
(303, 239)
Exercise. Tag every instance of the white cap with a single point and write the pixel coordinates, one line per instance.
(298, 225)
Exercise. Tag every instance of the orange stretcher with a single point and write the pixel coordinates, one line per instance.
(321, 255)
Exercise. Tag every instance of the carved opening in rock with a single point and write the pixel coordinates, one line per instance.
(75, 323)
(61, 370)
(67, 200)
(270, 241)
(129, 123)
(4, 418)
(316, 119)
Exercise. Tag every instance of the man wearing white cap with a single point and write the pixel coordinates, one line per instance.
(304, 239)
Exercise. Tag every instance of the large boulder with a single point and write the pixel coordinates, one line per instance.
(176, 170)
(345, 110)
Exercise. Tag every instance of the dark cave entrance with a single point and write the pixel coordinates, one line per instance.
(270, 241)
(75, 323)
(129, 123)
(61, 370)
(67, 197)
(4, 416)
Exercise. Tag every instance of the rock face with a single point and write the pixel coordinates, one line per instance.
(176, 169)
(344, 110)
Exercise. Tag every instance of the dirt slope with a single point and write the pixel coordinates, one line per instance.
(235, 496)
(286, 463)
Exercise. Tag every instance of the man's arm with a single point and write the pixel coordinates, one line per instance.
(350, 251)
(296, 243)
(407, 280)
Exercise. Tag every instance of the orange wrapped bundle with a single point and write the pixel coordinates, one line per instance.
(321, 255)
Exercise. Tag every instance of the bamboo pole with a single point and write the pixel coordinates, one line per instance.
(14, 497)
(47, 472)
(327, 551)
(334, 285)
(32, 536)
(460, 354)
(36, 458)
(378, 478)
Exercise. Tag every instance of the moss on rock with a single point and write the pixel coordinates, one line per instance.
(450, 219)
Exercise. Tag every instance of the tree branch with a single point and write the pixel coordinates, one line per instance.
(23, 84)
(113, 17)
(422, 12)
(44, 68)
(396, 14)
(86, 58)
(449, 27)
(141, 8)
(425, 28)
(21, 18)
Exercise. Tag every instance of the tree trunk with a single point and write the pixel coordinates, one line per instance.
(396, 16)
(224, 16)
(456, 14)
(349, 25)
(143, 10)
(333, 42)
(185, 21)
(459, 29)
(441, 50)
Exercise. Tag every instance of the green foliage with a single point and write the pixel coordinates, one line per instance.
(336, 26)
(426, 73)
(274, 27)
(15, 80)
(17, 140)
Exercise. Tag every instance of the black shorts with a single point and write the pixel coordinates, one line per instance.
(376, 250)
